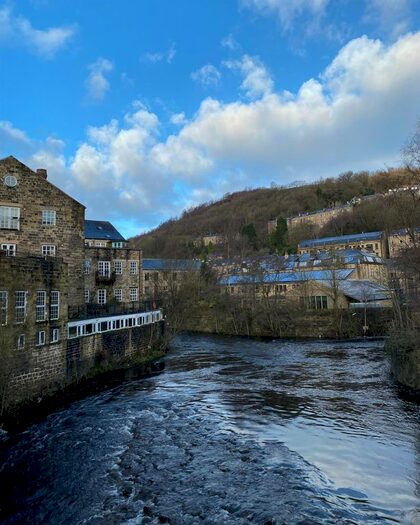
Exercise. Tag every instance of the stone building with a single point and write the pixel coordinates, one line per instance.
(161, 274)
(112, 275)
(49, 336)
(401, 240)
(38, 219)
(374, 242)
(319, 218)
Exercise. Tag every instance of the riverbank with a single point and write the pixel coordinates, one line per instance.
(21, 415)
(404, 351)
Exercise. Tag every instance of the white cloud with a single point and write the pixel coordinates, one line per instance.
(288, 11)
(355, 115)
(158, 56)
(257, 80)
(207, 75)
(18, 31)
(97, 82)
(230, 43)
(9, 131)
(179, 119)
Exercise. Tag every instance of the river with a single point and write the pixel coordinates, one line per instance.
(233, 431)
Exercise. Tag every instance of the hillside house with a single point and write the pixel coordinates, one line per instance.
(160, 275)
(374, 242)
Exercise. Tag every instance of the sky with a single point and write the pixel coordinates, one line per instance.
(141, 109)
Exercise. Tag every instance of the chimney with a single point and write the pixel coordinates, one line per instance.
(42, 172)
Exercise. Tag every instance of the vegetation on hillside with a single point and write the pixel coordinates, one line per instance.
(242, 217)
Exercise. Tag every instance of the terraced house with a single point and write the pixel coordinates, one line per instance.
(70, 289)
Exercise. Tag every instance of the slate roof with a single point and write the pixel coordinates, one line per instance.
(170, 264)
(364, 291)
(287, 277)
(356, 237)
(102, 230)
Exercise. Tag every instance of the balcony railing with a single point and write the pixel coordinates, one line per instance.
(105, 278)
(93, 310)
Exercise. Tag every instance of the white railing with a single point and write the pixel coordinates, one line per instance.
(108, 324)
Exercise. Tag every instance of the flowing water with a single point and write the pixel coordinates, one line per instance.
(234, 431)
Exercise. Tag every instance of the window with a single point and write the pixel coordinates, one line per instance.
(101, 296)
(134, 294)
(55, 335)
(20, 306)
(146, 276)
(100, 244)
(118, 295)
(54, 306)
(41, 299)
(21, 342)
(118, 244)
(104, 268)
(9, 249)
(87, 296)
(118, 267)
(86, 267)
(40, 338)
(318, 302)
(3, 307)
(10, 181)
(133, 267)
(48, 250)
(48, 217)
(9, 218)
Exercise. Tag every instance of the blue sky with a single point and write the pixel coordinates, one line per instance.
(140, 109)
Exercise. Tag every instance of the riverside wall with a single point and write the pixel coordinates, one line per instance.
(41, 372)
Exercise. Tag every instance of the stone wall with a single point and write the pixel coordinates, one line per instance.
(42, 371)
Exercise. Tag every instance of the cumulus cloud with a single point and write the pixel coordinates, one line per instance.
(355, 115)
(160, 56)
(7, 130)
(257, 80)
(207, 75)
(97, 83)
(18, 31)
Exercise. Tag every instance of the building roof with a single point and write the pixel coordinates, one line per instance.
(170, 264)
(364, 291)
(102, 230)
(342, 239)
(287, 277)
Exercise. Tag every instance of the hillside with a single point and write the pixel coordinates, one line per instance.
(241, 217)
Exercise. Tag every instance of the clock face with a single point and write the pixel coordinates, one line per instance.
(10, 180)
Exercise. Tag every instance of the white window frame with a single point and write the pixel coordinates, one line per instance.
(134, 295)
(4, 304)
(48, 250)
(9, 218)
(20, 345)
(87, 296)
(49, 217)
(54, 305)
(100, 244)
(104, 268)
(20, 306)
(118, 267)
(55, 335)
(40, 305)
(40, 338)
(9, 249)
(118, 295)
(134, 267)
(101, 296)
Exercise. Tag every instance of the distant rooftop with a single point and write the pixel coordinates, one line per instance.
(342, 239)
(102, 230)
(287, 277)
(170, 264)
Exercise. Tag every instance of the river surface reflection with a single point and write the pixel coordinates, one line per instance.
(233, 431)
